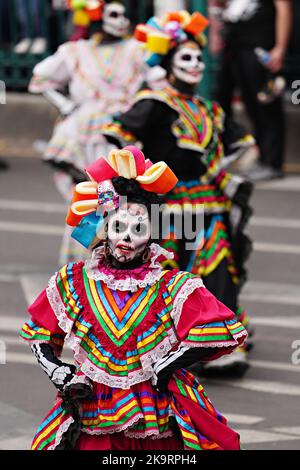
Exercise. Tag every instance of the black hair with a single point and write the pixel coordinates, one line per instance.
(134, 193)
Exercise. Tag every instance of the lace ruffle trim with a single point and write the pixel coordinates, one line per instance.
(130, 433)
(117, 428)
(146, 373)
(87, 367)
(187, 289)
(60, 432)
(58, 306)
(130, 280)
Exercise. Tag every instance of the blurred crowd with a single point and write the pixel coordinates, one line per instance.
(250, 40)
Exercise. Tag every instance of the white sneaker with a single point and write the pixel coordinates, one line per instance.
(38, 46)
(23, 46)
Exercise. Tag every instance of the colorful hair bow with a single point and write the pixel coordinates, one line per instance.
(92, 200)
(161, 35)
(86, 11)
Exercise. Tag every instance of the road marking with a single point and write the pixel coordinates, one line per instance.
(56, 230)
(8, 277)
(12, 357)
(20, 358)
(271, 292)
(290, 183)
(276, 388)
(11, 323)
(249, 436)
(33, 285)
(275, 366)
(277, 248)
(17, 427)
(56, 208)
(295, 430)
(242, 419)
(18, 443)
(39, 229)
(274, 222)
(32, 206)
(277, 322)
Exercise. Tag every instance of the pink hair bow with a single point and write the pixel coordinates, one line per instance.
(128, 162)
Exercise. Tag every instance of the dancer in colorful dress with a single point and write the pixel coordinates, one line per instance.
(102, 79)
(132, 326)
(187, 132)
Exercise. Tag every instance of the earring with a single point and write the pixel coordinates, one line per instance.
(146, 255)
(106, 250)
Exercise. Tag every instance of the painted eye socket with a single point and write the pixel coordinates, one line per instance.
(115, 14)
(186, 57)
(140, 229)
(118, 226)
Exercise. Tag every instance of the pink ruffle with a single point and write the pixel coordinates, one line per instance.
(98, 269)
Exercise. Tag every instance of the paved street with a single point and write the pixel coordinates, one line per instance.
(263, 406)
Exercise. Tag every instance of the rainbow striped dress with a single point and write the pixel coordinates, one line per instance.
(187, 132)
(119, 325)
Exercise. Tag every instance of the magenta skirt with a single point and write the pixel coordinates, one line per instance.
(118, 441)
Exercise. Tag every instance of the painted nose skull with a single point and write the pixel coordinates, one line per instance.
(114, 20)
(188, 65)
(128, 232)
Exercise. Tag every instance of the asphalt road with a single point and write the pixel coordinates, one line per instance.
(263, 406)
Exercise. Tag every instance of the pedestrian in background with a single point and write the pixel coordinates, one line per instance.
(248, 25)
(32, 36)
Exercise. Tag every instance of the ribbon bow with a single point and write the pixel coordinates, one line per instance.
(85, 11)
(93, 199)
(161, 35)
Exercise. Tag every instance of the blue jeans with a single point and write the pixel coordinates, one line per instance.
(29, 17)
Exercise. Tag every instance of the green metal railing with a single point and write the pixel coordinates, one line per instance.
(16, 69)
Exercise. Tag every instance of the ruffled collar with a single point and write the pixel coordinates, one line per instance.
(98, 269)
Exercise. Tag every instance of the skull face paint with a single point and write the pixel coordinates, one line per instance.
(187, 64)
(115, 22)
(128, 232)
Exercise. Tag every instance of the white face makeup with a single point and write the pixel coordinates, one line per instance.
(188, 65)
(128, 232)
(114, 20)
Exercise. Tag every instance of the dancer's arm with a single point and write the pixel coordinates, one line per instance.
(58, 372)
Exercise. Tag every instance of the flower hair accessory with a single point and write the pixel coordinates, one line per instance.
(86, 11)
(94, 199)
(160, 35)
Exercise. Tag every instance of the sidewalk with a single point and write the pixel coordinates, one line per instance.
(24, 120)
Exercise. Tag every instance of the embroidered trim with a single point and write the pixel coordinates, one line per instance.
(146, 373)
(80, 355)
(154, 435)
(187, 289)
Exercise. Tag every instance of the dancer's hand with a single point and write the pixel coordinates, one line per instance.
(276, 59)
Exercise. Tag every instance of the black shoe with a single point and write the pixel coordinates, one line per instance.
(3, 165)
